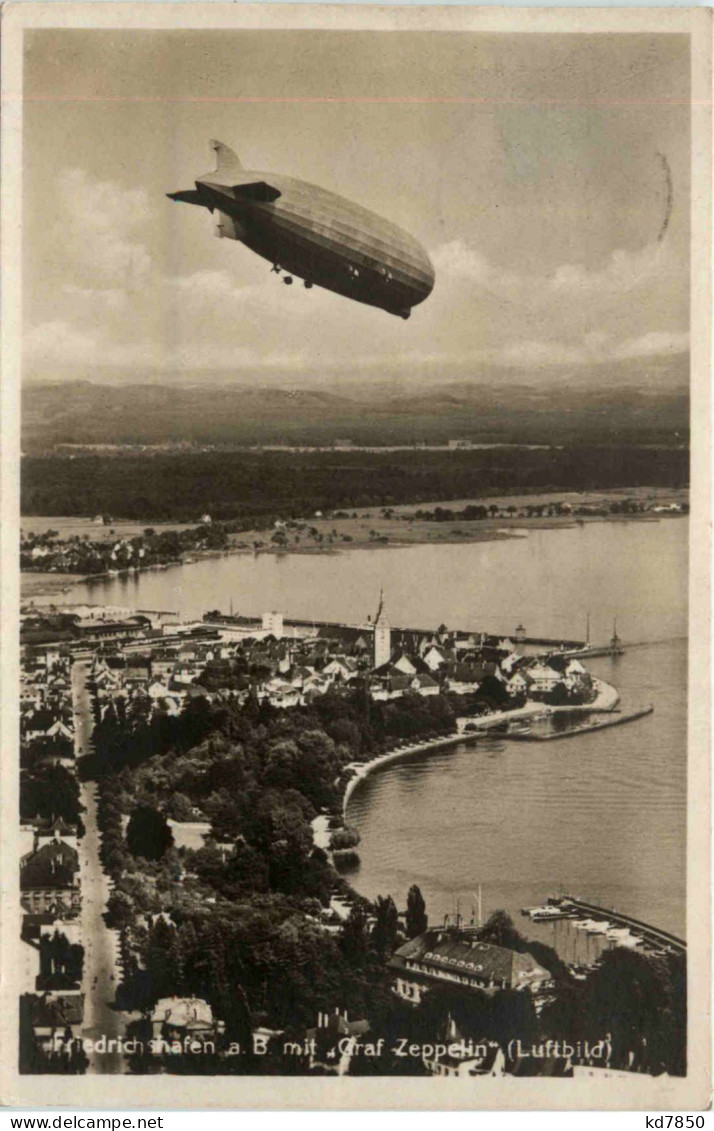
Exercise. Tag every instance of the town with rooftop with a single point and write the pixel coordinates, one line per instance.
(185, 864)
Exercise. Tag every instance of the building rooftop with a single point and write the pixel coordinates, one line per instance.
(52, 866)
(57, 1011)
(183, 1012)
(449, 950)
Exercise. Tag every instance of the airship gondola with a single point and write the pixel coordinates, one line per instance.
(307, 232)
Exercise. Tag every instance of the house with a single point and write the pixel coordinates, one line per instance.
(576, 677)
(451, 955)
(44, 723)
(517, 684)
(157, 690)
(138, 670)
(510, 662)
(425, 685)
(463, 677)
(341, 668)
(47, 832)
(543, 678)
(404, 664)
(56, 1019)
(434, 658)
(57, 750)
(183, 1019)
(334, 1031)
(95, 631)
(184, 674)
(389, 687)
(31, 695)
(49, 878)
(163, 663)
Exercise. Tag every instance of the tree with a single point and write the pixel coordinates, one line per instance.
(148, 833)
(180, 807)
(120, 909)
(353, 937)
(500, 931)
(384, 932)
(344, 838)
(631, 996)
(417, 920)
(51, 791)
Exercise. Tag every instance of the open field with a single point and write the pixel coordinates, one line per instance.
(368, 529)
(656, 495)
(77, 527)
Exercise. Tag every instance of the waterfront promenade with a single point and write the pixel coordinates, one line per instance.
(606, 702)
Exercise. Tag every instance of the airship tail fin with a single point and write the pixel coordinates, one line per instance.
(226, 160)
(188, 196)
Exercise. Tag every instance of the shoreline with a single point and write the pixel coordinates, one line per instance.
(36, 584)
(605, 703)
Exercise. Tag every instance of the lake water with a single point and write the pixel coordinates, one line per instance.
(600, 815)
(547, 580)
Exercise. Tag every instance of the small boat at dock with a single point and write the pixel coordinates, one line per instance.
(593, 927)
(547, 914)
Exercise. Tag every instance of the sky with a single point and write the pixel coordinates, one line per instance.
(546, 175)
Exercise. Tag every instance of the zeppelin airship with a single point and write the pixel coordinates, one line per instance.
(308, 233)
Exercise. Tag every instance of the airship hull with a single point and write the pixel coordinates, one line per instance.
(327, 240)
(316, 235)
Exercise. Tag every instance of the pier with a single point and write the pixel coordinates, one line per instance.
(654, 936)
(581, 728)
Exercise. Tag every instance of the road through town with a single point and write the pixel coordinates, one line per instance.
(101, 945)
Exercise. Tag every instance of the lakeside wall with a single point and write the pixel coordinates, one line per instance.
(606, 703)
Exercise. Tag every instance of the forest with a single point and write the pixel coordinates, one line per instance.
(247, 486)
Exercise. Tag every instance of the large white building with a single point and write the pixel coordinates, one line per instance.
(458, 956)
(273, 622)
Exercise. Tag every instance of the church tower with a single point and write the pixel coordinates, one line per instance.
(382, 636)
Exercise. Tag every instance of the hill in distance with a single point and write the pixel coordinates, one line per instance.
(633, 402)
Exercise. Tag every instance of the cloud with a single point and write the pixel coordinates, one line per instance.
(113, 305)
(99, 224)
(595, 348)
(205, 284)
(101, 298)
(58, 342)
(624, 272)
(656, 343)
(533, 354)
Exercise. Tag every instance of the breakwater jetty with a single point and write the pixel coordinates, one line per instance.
(312, 626)
(480, 634)
(612, 720)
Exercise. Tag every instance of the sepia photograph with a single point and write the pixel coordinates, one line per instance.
(356, 556)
